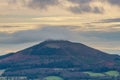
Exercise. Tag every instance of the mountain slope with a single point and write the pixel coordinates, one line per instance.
(52, 54)
(6, 55)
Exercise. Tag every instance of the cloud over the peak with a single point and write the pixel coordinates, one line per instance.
(93, 38)
(36, 35)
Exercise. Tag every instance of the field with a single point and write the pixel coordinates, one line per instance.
(53, 78)
(109, 73)
(92, 74)
(112, 73)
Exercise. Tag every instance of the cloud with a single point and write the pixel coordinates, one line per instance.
(115, 26)
(80, 1)
(36, 4)
(93, 38)
(114, 2)
(109, 20)
(13, 28)
(36, 35)
(41, 4)
(102, 36)
(84, 6)
(6, 26)
(56, 32)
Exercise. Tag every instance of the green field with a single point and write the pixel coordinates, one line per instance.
(112, 73)
(92, 74)
(109, 73)
(53, 78)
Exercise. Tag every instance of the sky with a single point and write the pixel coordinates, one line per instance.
(24, 23)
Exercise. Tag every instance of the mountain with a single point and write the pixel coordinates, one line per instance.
(58, 57)
(6, 55)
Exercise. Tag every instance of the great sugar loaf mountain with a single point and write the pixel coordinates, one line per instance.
(61, 60)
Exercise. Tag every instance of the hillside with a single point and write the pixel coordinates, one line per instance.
(58, 57)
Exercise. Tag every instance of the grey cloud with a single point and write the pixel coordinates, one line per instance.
(80, 1)
(7, 26)
(12, 1)
(114, 2)
(37, 35)
(103, 36)
(115, 25)
(98, 10)
(41, 4)
(84, 6)
(80, 9)
(35, 4)
(58, 32)
(109, 20)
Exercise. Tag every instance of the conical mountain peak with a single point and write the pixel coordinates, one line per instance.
(62, 54)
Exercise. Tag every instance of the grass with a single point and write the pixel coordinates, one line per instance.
(53, 78)
(112, 73)
(92, 74)
(109, 73)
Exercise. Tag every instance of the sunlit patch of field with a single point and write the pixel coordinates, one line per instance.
(109, 73)
(112, 73)
(92, 74)
(53, 78)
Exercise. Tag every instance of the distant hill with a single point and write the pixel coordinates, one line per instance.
(58, 57)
